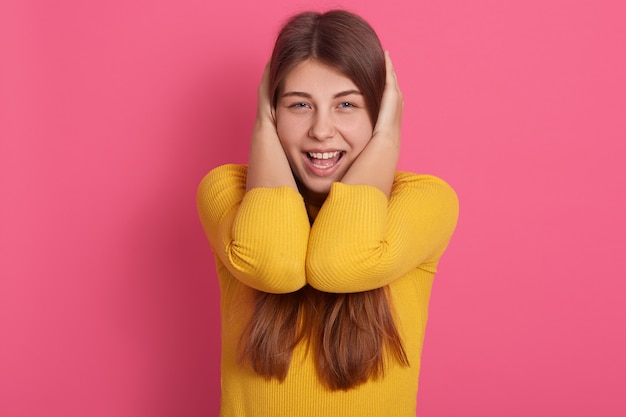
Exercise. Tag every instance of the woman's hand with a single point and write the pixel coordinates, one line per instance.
(267, 164)
(389, 124)
(376, 165)
(265, 112)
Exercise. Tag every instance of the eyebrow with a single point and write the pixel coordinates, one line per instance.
(307, 95)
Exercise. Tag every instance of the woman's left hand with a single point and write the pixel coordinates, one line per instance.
(389, 124)
(376, 165)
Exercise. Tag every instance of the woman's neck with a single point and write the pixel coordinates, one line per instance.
(313, 201)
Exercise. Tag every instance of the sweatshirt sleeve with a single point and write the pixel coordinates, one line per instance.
(260, 236)
(361, 240)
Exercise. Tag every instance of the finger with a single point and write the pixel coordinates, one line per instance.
(265, 80)
(392, 78)
(390, 113)
(264, 106)
(265, 112)
(266, 92)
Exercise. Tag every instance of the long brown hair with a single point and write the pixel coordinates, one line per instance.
(350, 335)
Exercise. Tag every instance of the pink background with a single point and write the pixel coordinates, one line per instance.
(111, 113)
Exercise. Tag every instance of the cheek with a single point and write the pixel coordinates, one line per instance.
(291, 131)
(284, 128)
(363, 140)
(359, 134)
(288, 140)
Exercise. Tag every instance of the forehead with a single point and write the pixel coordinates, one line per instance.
(313, 76)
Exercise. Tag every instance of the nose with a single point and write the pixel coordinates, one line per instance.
(322, 126)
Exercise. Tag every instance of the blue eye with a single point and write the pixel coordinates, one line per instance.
(299, 105)
(346, 105)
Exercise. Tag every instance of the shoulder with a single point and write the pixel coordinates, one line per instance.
(225, 175)
(424, 190)
(228, 179)
(227, 171)
(409, 181)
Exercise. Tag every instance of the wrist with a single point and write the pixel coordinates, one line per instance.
(264, 125)
(385, 143)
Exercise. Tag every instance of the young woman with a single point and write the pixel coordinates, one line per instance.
(325, 253)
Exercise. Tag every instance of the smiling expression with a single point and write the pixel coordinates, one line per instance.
(323, 125)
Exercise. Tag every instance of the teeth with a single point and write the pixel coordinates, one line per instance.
(325, 155)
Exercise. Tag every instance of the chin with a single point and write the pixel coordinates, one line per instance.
(317, 189)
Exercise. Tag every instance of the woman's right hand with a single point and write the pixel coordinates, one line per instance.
(265, 113)
(267, 165)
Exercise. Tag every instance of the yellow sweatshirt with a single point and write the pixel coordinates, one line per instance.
(360, 240)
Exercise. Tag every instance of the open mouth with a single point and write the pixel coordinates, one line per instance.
(324, 160)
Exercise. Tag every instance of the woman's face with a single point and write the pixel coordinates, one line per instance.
(322, 123)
